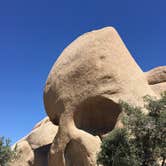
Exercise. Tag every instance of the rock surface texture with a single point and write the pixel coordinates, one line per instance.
(156, 75)
(82, 96)
(157, 79)
(33, 149)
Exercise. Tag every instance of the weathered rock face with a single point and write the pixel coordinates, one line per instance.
(97, 63)
(156, 75)
(81, 98)
(25, 154)
(83, 90)
(42, 135)
(159, 88)
(33, 149)
(157, 79)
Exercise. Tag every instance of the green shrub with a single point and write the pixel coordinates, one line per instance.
(142, 141)
(118, 150)
(6, 154)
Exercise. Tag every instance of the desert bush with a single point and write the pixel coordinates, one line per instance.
(142, 141)
(6, 153)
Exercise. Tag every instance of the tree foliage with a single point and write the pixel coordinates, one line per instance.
(142, 141)
(6, 153)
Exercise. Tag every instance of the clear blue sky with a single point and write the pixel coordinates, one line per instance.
(33, 34)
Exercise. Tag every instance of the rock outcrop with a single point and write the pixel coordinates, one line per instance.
(33, 149)
(25, 154)
(157, 79)
(83, 91)
(156, 75)
(159, 88)
(82, 96)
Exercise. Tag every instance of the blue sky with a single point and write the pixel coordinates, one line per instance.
(34, 33)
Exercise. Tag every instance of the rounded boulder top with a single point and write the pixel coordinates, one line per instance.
(95, 64)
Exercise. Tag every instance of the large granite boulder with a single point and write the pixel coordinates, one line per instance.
(82, 94)
(42, 134)
(156, 75)
(81, 99)
(157, 79)
(33, 149)
(25, 154)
